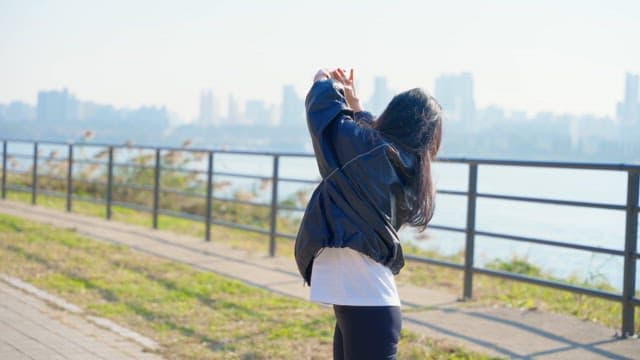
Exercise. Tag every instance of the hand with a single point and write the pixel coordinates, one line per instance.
(349, 88)
(322, 74)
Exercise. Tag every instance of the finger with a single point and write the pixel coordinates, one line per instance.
(351, 75)
(346, 78)
(343, 78)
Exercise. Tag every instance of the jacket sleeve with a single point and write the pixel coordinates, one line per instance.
(364, 117)
(335, 135)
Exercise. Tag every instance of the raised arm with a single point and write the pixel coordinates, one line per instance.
(335, 136)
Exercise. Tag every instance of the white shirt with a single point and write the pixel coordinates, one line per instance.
(342, 276)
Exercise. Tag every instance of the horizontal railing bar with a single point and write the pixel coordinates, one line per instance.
(90, 182)
(553, 201)
(132, 165)
(181, 170)
(183, 193)
(449, 264)
(64, 179)
(132, 206)
(287, 236)
(549, 283)
(89, 199)
(551, 243)
(247, 176)
(50, 142)
(264, 153)
(170, 148)
(236, 201)
(89, 162)
(548, 164)
(16, 172)
(452, 192)
(447, 228)
(133, 186)
(635, 301)
(302, 181)
(47, 159)
(291, 208)
(18, 188)
(181, 214)
(50, 177)
(51, 193)
(23, 156)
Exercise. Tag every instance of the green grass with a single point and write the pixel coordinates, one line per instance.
(190, 313)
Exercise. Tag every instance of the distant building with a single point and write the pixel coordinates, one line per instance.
(256, 113)
(292, 113)
(380, 97)
(57, 106)
(17, 111)
(628, 111)
(234, 116)
(491, 114)
(455, 93)
(206, 116)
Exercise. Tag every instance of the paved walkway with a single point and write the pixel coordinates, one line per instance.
(32, 329)
(493, 330)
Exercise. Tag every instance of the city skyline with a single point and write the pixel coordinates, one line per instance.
(472, 130)
(561, 57)
(455, 92)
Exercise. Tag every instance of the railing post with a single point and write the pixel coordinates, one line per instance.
(34, 177)
(209, 195)
(4, 169)
(470, 231)
(274, 206)
(69, 177)
(156, 190)
(630, 249)
(109, 182)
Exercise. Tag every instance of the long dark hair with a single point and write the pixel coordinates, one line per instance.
(413, 122)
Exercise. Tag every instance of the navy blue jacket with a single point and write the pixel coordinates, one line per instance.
(365, 191)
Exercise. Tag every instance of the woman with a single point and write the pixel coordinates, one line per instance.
(376, 177)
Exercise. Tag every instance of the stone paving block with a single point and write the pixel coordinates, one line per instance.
(33, 330)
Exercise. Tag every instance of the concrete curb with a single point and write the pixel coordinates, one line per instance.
(145, 342)
(42, 295)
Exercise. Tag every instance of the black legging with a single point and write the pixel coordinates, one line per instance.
(366, 332)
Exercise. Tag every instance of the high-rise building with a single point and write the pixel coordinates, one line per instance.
(234, 117)
(628, 111)
(292, 113)
(380, 97)
(57, 106)
(455, 93)
(206, 116)
(256, 113)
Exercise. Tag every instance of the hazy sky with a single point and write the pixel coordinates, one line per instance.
(556, 55)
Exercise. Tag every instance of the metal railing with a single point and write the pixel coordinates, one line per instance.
(627, 298)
